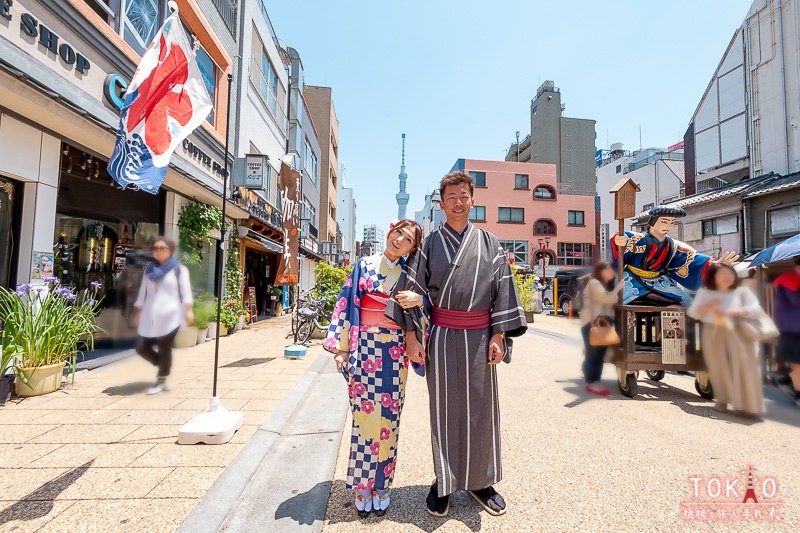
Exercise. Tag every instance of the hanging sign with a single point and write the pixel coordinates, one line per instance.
(289, 267)
(256, 168)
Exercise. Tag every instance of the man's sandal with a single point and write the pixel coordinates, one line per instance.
(490, 500)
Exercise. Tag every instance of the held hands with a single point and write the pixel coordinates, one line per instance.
(414, 350)
(409, 299)
(496, 349)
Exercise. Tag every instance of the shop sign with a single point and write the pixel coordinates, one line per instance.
(49, 40)
(41, 266)
(256, 166)
(198, 155)
(289, 268)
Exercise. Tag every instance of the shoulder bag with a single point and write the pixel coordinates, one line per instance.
(602, 333)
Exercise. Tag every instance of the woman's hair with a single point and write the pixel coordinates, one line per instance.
(415, 228)
(169, 242)
(797, 260)
(597, 269)
(710, 280)
(457, 177)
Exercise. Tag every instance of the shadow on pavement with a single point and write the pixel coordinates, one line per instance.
(778, 407)
(129, 389)
(39, 503)
(407, 507)
(306, 507)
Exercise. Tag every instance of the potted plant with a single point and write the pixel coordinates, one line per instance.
(229, 317)
(42, 328)
(6, 380)
(204, 311)
(526, 294)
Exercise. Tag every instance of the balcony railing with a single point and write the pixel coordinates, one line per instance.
(267, 95)
(228, 11)
(711, 184)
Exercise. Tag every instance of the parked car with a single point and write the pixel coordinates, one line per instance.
(569, 285)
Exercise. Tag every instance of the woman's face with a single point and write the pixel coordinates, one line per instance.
(160, 251)
(607, 274)
(400, 241)
(725, 278)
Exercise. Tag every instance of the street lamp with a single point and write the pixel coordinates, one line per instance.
(436, 205)
(544, 244)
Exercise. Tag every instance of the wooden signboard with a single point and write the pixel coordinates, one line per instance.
(625, 198)
(253, 305)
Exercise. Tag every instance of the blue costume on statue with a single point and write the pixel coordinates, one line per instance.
(659, 271)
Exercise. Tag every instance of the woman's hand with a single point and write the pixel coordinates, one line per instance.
(409, 299)
(189, 317)
(736, 313)
(341, 360)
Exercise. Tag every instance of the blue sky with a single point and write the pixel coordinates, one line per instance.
(457, 76)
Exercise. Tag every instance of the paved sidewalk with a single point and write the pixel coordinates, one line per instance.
(100, 455)
(575, 462)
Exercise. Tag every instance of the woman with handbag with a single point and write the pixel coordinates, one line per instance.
(733, 321)
(370, 352)
(597, 324)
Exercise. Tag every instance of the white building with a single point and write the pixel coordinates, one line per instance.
(375, 238)
(658, 173)
(346, 217)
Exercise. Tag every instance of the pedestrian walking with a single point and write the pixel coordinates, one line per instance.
(732, 359)
(163, 306)
(369, 350)
(475, 308)
(786, 311)
(599, 298)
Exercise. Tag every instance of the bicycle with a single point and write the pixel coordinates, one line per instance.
(311, 316)
(303, 299)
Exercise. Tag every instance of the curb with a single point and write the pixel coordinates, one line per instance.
(283, 474)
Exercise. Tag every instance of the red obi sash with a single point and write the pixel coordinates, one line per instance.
(373, 307)
(448, 318)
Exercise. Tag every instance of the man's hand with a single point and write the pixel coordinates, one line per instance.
(621, 240)
(729, 258)
(414, 350)
(409, 299)
(497, 349)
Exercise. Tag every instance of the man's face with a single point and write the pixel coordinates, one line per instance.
(457, 201)
(662, 227)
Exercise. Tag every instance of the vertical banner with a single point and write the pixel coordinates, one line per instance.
(673, 344)
(289, 267)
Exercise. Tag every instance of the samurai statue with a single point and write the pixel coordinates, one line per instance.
(659, 270)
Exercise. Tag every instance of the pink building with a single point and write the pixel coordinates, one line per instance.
(520, 204)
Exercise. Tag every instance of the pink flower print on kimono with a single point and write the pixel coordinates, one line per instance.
(356, 300)
(341, 304)
(362, 284)
(369, 486)
(395, 407)
(395, 352)
(353, 339)
(386, 400)
(388, 469)
(349, 282)
(330, 343)
(375, 448)
(370, 366)
(367, 406)
(335, 315)
(385, 433)
(379, 363)
(359, 389)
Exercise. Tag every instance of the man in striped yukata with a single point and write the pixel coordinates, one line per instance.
(475, 308)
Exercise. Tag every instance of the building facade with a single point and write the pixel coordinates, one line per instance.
(64, 66)
(520, 204)
(374, 240)
(347, 220)
(568, 143)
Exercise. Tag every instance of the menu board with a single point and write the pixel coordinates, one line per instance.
(128, 257)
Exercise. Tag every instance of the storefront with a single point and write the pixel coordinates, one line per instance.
(10, 213)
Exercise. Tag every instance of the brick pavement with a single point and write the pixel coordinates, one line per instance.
(100, 455)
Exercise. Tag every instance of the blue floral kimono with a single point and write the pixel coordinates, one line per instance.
(659, 273)
(378, 368)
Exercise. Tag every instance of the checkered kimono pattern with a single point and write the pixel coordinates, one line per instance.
(378, 370)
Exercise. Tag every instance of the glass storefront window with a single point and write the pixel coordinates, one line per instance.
(112, 253)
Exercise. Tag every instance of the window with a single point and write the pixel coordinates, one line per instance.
(549, 258)
(574, 254)
(479, 177)
(785, 221)
(208, 70)
(619, 169)
(511, 214)
(519, 248)
(478, 213)
(720, 226)
(269, 84)
(141, 22)
(310, 162)
(576, 218)
(521, 181)
(310, 218)
(544, 192)
(544, 227)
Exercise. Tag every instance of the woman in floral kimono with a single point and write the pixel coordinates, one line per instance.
(369, 349)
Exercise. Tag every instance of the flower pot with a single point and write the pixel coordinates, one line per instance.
(43, 380)
(6, 386)
(202, 334)
(212, 331)
(186, 337)
(223, 330)
(529, 317)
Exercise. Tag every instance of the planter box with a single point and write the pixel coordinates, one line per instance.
(43, 380)
(6, 386)
(529, 317)
(223, 330)
(202, 334)
(212, 331)
(186, 337)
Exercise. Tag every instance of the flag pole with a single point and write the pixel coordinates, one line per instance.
(216, 425)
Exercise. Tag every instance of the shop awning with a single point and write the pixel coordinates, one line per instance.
(266, 242)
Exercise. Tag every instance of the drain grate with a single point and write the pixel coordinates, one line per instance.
(250, 361)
